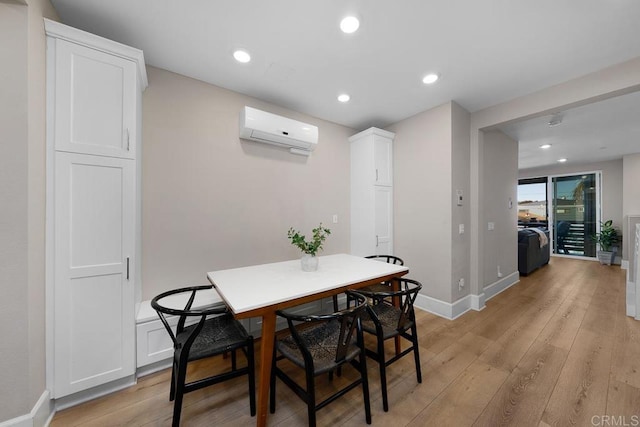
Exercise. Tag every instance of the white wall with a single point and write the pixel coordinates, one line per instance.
(212, 201)
(630, 195)
(14, 317)
(500, 181)
(22, 190)
(460, 180)
(422, 198)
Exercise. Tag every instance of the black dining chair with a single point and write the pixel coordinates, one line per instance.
(213, 331)
(322, 344)
(376, 287)
(390, 314)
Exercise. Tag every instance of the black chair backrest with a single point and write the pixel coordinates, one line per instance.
(184, 313)
(389, 259)
(349, 319)
(407, 293)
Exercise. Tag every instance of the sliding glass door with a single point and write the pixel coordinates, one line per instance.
(569, 205)
(575, 213)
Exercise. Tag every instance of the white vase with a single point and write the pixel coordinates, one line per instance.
(309, 262)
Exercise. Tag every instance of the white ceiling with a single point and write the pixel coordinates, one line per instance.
(486, 52)
(604, 130)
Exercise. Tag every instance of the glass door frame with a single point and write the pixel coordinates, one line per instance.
(551, 208)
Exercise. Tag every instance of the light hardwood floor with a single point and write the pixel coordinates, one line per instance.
(555, 349)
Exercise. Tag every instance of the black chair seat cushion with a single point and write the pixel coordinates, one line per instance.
(378, 287)
(388, 316)
(219, 334)
(322, 341)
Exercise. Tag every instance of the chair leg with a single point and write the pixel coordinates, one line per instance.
(365, 386)
(383, 374)
(252, 377)
(416, 351)
(172, 389)
(311, 398)
(234, 365)
(335, 303)
(179, 393)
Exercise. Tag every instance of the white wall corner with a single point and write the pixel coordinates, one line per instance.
(41, 414)
(631, 299)
(498, 286)
(478, 302)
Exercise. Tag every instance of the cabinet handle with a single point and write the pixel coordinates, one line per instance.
(376, 175)
(376, 240)
(128, 145)
(127, 268)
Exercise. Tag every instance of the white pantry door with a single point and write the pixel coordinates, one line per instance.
(94, 247)
(383, 219)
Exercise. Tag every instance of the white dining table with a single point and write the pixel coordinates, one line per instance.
(261, 290)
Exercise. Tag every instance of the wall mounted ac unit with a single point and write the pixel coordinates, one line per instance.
(300, 138)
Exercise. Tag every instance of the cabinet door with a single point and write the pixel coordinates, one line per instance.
(95, 102)
(94, 324)
(383, 220)
(382, 155)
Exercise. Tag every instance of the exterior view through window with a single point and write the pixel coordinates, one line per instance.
(567, 205)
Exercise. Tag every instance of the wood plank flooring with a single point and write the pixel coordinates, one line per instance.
(555, 349)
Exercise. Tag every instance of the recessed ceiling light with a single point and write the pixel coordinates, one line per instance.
(344, 97)
(430, 78)
(562, 160)
(545, 146)
(349, 25)
(242, 56)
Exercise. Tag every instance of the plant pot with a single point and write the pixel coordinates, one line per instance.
(606, 257)
(309, 262)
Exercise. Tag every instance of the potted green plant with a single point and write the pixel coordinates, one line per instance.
(606, 239)
(310, 248)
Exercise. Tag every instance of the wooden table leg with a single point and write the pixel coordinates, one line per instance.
(266, 358)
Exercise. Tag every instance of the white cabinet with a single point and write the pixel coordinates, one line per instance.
(372, 192)
(93, 132)
(95, 101)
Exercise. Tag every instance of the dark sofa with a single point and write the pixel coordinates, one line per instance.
(530, 255)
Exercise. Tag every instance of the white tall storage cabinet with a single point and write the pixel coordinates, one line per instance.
(94, 94)
(372, 192)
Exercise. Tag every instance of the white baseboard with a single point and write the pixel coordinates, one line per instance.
(501, 285)
(93, 393)
(444, 309)
(154, 367)
(477, 301)
(456, 309)
(41, 414)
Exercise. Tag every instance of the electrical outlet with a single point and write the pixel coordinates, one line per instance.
(335, 219)
(461, 283)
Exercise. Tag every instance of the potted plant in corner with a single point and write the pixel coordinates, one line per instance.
(309, 249)
(607, 237)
